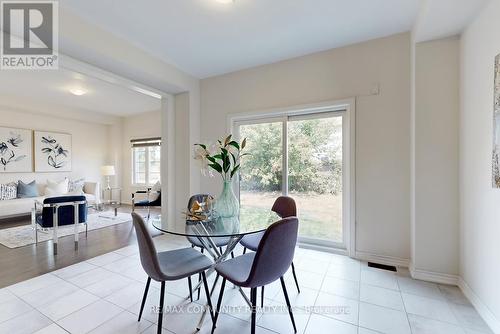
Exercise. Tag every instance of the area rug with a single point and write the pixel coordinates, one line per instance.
(20, 236)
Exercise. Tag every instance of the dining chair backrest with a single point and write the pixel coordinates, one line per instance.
(285, 206)
(147, 249)
(275, 253)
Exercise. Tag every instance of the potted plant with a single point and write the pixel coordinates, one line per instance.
(224, 157)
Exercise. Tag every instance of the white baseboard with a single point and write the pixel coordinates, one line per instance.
(382, 259)
(435, 277)
(481, 308)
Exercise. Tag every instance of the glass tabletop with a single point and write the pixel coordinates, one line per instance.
(214, 226)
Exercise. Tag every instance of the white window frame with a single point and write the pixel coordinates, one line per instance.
(147, 181)
(343, 108)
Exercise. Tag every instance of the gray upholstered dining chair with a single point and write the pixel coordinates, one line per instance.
(167, 266)
(284, 206)
(269, 263)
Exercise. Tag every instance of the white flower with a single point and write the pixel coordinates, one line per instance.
(213, 149)
(201, 154)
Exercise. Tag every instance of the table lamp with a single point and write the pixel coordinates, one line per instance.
(108, 171)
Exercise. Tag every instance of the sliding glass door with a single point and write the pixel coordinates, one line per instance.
(300, 156)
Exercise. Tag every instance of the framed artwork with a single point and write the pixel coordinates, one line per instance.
(16, 151)
(496, 126)
(52, 152)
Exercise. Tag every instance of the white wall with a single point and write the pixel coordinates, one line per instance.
(93, 45)
(89, 144)
(382, 126)
(479, 202)
(144, 125)
(436, 221)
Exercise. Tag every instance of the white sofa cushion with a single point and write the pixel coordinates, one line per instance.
(56, 188)
(154, 192)
(18, 206)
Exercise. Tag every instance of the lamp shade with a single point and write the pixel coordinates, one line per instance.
(108, 170)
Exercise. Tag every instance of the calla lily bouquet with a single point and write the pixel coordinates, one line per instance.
(223, 157)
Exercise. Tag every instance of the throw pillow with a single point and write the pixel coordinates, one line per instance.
(75, 187)
(27, 190)
(8, 191)
(56, 188)
(154, 195)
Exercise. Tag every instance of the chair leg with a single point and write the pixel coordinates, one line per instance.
(244, 250)
(253, 301)
(144, 298)
(219, 302)
(262, 297)
(199, 289)
(283, 286)
(232, 255)
(160, 309)
(220, 250)
(295, 278)
(190, 289)
(86, 229)
(215, 284)
(207, 292)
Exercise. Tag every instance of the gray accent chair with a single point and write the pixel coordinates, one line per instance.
(167, 266)
(269, 263)
(284, 206)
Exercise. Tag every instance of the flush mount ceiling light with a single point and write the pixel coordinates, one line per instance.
(78, 91)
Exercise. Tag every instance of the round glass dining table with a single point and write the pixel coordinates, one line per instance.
(208, 230)
(209, 226)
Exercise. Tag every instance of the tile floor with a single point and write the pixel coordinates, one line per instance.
(339, 295)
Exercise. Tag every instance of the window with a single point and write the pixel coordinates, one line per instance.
(301, 155)
(146, 160)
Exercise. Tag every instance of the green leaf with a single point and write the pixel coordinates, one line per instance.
(201, 145)
(243, 143)
(224, 152)
(211, 159)
(218, 156)
(234, 158)
(235, 169)
(235, 144)
(227, 164)
(217, 167)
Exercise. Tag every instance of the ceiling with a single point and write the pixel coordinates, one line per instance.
(443, 18)
(50, 88)
(206, 38)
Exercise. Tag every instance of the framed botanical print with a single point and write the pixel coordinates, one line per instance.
(496, 126)
(52, 151)
(16, 151)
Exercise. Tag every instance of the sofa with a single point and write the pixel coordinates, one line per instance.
(22, 206)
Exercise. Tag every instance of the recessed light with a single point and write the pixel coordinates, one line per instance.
(78, 91)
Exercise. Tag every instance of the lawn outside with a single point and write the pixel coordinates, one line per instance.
(320, 215)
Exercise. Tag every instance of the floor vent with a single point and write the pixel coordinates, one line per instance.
(382, 266)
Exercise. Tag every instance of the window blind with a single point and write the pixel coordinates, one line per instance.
(146, 142)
